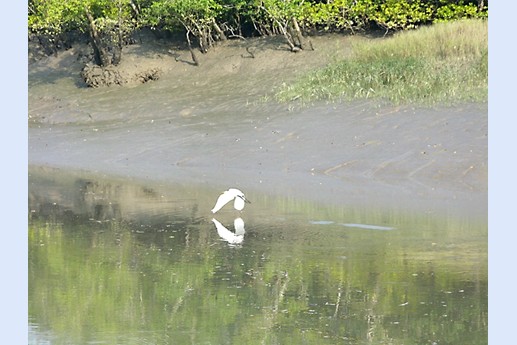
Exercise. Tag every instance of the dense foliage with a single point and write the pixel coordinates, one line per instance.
(110, 22)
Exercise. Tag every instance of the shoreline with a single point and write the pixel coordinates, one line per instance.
(249, 57)
(211, 125)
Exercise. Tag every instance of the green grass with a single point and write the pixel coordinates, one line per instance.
(442, 63)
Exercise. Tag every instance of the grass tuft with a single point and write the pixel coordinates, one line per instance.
(442, 63)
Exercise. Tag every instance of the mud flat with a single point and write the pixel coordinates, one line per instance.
(216, 125)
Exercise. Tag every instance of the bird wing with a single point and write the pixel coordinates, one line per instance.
(222, 200)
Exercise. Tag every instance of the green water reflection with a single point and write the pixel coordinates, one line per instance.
(116, 264)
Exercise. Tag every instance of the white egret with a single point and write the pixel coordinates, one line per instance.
(228, 196)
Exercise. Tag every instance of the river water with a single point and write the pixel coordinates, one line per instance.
(113, 262)
(367, 224)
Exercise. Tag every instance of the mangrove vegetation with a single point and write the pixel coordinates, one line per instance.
(109, 24)
(445, 60)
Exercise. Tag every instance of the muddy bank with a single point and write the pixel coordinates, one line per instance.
(215, 125)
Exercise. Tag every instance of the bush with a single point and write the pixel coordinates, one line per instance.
(444, 62)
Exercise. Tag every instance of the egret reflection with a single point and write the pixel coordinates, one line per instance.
(231, 237)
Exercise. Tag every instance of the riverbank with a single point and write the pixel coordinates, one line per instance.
(215, 125)
(249, 58)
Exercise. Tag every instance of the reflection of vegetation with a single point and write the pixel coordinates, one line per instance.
(173, 281)
(156, 272)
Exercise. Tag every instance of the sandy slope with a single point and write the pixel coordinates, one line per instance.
(209, 124)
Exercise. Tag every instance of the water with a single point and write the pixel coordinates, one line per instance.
(119, 262)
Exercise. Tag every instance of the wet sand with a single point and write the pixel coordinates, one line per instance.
(215, 125)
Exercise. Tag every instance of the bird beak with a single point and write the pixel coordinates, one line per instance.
(245, 200)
